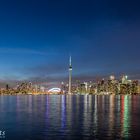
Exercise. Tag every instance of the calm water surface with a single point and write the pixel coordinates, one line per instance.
(70, 117)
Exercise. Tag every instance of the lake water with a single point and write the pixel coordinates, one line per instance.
(58, 117)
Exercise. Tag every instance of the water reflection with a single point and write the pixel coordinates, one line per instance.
(111, 113)
(63, 112)
(95, 116)
(70, 117)
(125, 115)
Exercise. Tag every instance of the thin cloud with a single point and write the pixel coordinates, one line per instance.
(10, 50)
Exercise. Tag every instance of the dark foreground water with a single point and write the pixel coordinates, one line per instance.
(58, 117)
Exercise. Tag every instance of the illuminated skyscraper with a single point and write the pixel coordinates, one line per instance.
(70, 75)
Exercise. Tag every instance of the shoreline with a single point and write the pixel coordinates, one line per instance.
(99, 94)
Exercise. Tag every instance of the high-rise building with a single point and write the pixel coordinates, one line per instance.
(70, 75)
(124, 79)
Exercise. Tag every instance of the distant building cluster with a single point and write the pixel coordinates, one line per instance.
(110, 86)
(23, 88)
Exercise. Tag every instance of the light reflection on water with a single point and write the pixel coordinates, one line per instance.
(125, 116)
(70, 117)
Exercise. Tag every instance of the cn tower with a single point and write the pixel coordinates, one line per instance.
(70, 75)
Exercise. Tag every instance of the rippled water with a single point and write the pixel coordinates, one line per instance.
(70, 117)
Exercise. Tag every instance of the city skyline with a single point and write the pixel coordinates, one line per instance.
(36, 38)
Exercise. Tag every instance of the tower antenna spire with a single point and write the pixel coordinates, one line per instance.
(70, 60)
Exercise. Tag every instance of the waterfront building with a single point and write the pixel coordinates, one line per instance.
(139, 88)
(63, 88)
(82, 88)
(124, 79)
(134, 87)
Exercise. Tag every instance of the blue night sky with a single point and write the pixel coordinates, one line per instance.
(37, 37)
